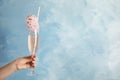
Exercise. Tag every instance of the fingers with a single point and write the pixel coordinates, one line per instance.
(33, 57)
(27, 65)
(31, 64)
(33, 60)
(27, 59)
(30, 58)
(26, 62)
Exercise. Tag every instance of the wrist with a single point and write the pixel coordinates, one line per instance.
(15, 65)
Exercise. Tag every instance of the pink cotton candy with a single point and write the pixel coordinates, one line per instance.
(32, 23)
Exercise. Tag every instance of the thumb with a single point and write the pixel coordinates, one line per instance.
(27, 59)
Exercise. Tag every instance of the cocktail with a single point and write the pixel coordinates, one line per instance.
(33, 36)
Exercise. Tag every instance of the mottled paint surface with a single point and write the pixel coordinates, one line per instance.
(79, 39)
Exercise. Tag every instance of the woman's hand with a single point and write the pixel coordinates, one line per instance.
(25, 62)
(18, 64)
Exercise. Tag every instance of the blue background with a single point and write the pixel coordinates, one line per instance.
(79, 39)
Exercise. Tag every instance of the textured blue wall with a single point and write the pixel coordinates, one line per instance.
(79, 39)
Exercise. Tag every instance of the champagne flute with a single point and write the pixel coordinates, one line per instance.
(33, 38)
(33, 45)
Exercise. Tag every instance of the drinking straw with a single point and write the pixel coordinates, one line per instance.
(38, 12)
(36, 35)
